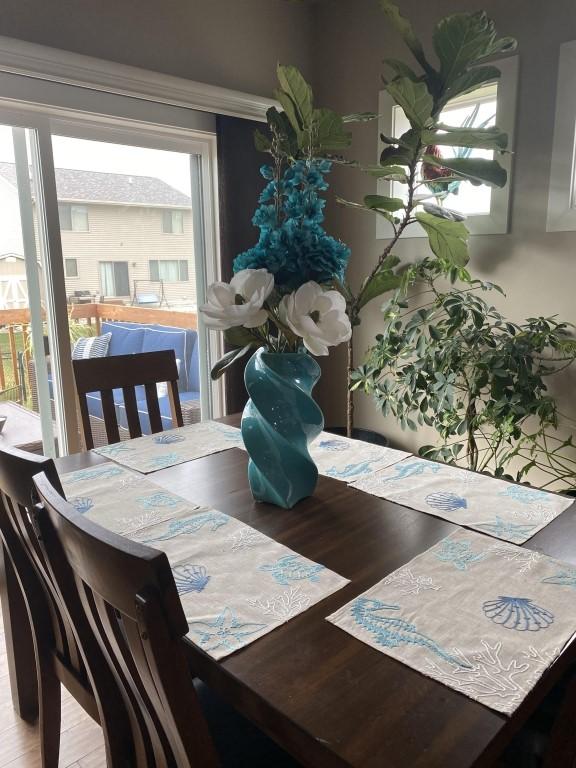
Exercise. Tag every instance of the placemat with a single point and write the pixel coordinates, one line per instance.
(235, 583)
(349, 460)
(501, 509)
(175, 446)
(483, 617)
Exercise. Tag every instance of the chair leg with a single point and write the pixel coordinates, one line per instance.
(50, 713)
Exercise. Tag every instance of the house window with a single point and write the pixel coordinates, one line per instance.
(172, 271)
(485, 208)
(73, 218)
(114, 280)
(173, 222)
(71, 267)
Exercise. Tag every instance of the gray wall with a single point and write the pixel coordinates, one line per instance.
(231, 43)
(537, 269)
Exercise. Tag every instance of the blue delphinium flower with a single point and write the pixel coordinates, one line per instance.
(293, 245)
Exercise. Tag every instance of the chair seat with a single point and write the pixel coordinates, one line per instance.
(239, 743)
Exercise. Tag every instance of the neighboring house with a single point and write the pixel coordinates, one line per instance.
(123, 236)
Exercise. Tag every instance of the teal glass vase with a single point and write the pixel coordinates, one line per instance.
(278, 422)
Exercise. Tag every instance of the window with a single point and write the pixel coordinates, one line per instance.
(73, 218)
(561, 193)
(485, 208)
(71, 267)
(173, 222)
(170, 271)
(114, 280)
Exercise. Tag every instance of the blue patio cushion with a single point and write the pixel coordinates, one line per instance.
(157, 339)
(127, 338)
(95, 409)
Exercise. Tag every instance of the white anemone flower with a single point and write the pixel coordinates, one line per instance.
(317, 316)
(240, 301)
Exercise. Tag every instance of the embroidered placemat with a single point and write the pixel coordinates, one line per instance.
(503, 510)
(483, 617)
(175, 446)
(349, 460)
(235, 583)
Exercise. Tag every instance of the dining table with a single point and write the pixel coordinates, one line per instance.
(328, 699)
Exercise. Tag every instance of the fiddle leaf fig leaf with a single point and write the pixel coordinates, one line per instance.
(463, 39)
(388, 172)
(406, 31)
(477, 138)
(469, 81)
(382, 203)
(383, 281)
(298, 91)
(328, 131)
(476, 170)
(414, 98)
(363, 207)
(448, 239)
(401, 69)
(360, 117)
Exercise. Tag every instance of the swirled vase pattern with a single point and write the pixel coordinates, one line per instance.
(278, 422)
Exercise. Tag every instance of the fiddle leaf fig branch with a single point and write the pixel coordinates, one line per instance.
(461, 43)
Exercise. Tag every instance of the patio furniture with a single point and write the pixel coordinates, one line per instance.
(127, 389)
(22, 428)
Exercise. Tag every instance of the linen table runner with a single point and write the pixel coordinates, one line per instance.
(503, 510)
(337, 457)
(235, 583)
(483, 617)
(175, 446)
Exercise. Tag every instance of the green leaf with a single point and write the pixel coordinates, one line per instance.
(379, 202)
(383, 281)
(404, 28)
(362, 207)
(477, 170)
(477, 138)
(414, 98)
(448, 239)
(298, 90)
(227, 360)
(443, 213)
(401, 69)
(239, 337)
(388, 172)
(470, 81)
(328, 131)
(262, 142)
(463, 39)
(290, 112)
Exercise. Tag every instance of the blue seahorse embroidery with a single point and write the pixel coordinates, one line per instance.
(225, 631)
(333, 445)
(394, 631)
(351, 470)
(510, 531)
(565, 578)
(293, 568)
(459, 553)
(411, 468)
(190, 525)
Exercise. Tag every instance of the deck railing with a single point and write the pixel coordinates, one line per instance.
(15, 322)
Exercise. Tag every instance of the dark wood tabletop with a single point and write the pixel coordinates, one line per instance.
(326, 697)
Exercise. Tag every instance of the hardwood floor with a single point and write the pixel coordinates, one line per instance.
(81, 743)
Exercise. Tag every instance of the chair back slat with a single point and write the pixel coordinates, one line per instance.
(128, 594)
(131, 406)
(153, 408)
(126, 372)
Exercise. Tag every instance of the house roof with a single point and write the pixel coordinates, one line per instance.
(113, 188)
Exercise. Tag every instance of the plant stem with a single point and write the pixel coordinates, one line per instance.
(350, 394)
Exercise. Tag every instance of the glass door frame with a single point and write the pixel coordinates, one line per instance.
(201, 147)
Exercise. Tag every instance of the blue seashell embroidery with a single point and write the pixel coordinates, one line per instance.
(293, 568)
(167, 439)
(394, 631)
(445, 501)
(82, 504)
(518, 613)
(190, 578)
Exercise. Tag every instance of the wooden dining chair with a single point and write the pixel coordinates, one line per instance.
(126, 372)
(57, 655)
(128, 593)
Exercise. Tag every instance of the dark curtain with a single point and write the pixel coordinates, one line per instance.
(239, 185)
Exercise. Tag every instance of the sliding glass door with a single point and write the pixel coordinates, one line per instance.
(106, 229)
